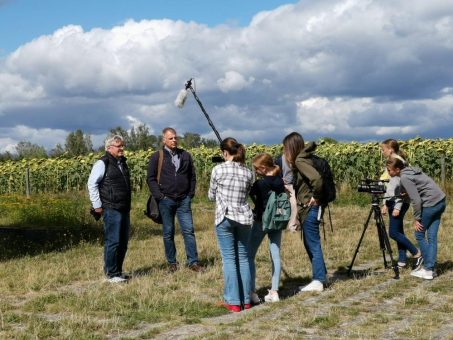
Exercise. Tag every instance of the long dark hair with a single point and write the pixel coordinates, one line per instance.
(234, 149)
(293, 144)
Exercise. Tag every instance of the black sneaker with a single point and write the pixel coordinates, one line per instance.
(418, 263)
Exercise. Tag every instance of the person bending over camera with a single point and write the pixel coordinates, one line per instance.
(396, 203)
(428, 204)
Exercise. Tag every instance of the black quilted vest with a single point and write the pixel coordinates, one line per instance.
(115, 187)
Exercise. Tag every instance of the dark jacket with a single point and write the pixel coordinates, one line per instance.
(173, 184)
(260, 192)
(308, 180)
(115, 187)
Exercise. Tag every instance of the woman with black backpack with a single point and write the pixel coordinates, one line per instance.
(309, 190)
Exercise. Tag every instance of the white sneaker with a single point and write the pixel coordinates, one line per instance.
(313, 286)
(254, 298)
(423, 273)
(116, 279)
(272, 296)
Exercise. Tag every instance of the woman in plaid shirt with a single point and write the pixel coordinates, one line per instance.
(230, 186)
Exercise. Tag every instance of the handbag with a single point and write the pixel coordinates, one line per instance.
(152, 206)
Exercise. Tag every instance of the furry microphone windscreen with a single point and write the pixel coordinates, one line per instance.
(181, 98)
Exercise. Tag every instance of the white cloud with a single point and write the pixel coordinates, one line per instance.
(346, 69)
(234, 81)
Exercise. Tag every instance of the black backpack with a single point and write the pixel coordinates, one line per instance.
(329, 192)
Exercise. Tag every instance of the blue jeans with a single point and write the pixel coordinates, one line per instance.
(233, 240)
(169, 208)
(427, 239)
(275, 238)
(116, 236)
(312, 243)
(396, 232)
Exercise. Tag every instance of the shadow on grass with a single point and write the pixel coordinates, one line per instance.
(148, 270)
(444, 267)
(18, 242)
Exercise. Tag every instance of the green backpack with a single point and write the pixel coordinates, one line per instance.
(277, 212)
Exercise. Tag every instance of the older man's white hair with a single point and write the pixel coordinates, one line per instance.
(112, 139)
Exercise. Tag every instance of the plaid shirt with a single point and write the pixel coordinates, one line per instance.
(229, 187)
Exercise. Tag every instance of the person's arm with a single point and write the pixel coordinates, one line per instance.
(96, 176)
(414, 196)
(397, 194)
(254, 192)
(213, 185)
(151, 178)
(193, 178)
(313, 177)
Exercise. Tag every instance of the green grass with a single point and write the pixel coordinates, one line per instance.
(53, 287)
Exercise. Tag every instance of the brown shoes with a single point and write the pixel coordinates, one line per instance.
(197, 268)
(172, 267)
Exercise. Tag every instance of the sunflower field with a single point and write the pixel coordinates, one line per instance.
(350, 162)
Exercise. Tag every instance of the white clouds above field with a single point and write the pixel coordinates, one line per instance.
(350, 70)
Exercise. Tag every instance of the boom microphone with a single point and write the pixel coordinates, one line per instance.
(181, 99)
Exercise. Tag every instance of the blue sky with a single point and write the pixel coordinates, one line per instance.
(349, 70)
(24, 20)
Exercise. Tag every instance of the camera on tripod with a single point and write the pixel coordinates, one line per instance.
(372, 186)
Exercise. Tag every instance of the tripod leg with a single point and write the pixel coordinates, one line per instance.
(385, 244)
(365, 226)
(380, 227)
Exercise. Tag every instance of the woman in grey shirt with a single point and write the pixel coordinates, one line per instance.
(428, 203)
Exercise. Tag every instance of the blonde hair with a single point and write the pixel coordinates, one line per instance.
(264, 160)
(394, 145)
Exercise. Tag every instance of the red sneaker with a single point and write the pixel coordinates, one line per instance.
(232, 308)
(247, 306)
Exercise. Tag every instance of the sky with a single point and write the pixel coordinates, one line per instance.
(350, 70)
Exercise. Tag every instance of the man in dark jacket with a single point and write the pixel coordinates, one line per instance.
(110, 195)
(174, 191)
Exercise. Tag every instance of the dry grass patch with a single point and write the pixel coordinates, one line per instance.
(62, 294)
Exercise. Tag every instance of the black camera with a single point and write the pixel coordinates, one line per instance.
(217, 159)
(372, 186)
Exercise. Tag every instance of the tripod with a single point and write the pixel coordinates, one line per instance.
(384, 241)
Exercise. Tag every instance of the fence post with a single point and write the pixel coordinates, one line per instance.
(442, 170)
(27, 182)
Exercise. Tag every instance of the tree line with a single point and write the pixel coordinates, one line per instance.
(78, 143)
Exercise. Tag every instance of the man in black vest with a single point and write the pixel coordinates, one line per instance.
(174, 192)
(110, 195)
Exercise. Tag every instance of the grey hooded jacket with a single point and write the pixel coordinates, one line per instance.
(422, 189)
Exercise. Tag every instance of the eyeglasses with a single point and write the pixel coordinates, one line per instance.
(172, 138)
(118, 146)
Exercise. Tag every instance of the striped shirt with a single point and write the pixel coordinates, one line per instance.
(230, 186)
